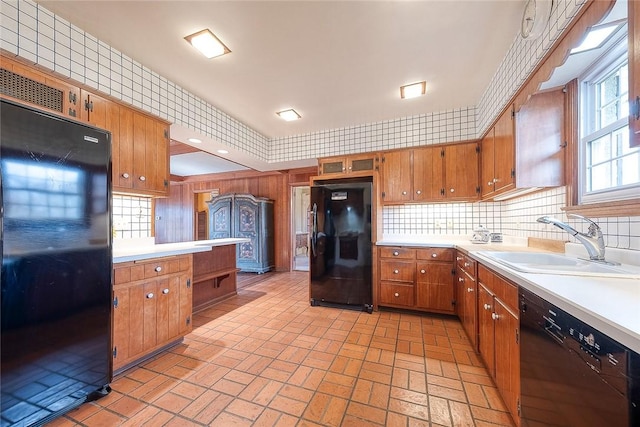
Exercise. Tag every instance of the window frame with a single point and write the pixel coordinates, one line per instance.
(612, 60)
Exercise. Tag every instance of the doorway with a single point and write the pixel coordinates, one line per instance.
(300, 197)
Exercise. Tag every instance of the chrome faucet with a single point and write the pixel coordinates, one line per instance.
(592, 241)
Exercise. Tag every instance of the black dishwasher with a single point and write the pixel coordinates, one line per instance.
(571, 374)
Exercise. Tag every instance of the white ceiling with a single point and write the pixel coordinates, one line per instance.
(338, 63)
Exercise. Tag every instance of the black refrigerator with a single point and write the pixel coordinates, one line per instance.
(56, 264)
(341, 247)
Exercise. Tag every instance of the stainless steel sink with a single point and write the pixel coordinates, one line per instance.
(548, 263)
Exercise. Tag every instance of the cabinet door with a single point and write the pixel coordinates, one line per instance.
(504, 152)
(122, 152)
(428, 174)
(94, 109)
(142, 143)
(460, 290)
(167, 309)
(71, 103)
(507, 356)
(470, 310)
(634, 71)
(121, 330)
(396, 176)
(487, 169)
(461, 171)
(434, 286)
(186, 302)
(486, 334)
(332, 166)
(161, 158)
(362, 163)
(149, 315)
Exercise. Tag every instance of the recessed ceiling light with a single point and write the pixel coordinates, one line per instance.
(413, 90)
(595, 38)
(207, 43)
(289, 114)
(194, 140)
(223, 152)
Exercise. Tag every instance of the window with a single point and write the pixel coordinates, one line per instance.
(609, 168)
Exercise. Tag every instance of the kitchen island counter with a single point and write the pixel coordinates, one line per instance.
(147, 250)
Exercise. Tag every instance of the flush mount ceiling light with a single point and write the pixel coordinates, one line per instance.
(413, 90)
(194, 140)
(207, 43)
(289, 115)
(223, 151)
(596, 37)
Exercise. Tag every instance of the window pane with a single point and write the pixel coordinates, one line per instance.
(599, 150)
(600, 177)
(631, 168)
(608, 114)
(609, 89)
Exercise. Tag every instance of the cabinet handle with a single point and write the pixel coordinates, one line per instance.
(125, 175)
(395, 272)
(165, 291)
(142, 178)
(150, 295)
(418, 192)
(490, 183)
(469, 290)
(396, 295)
(487, 306)
(344, 169)
(404, 193)
(466, 264)
(396, 253)
(350, 168)
(494, 316)
(461, 279)
(452, 190)
(458, 258)
(158, 269)
(423, 271)
(434, 255)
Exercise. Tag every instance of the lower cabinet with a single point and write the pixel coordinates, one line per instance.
(417, 278)
(498, 335)
(152, 302)
(466, 293)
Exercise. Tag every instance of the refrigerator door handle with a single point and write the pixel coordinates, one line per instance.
(314, 228)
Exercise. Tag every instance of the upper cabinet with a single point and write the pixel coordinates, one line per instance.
(141, 154)
(634, 71)
(358, 164)
(139, 142)
(435, 173)
(525, 149)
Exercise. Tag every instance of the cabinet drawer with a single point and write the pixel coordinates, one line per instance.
(435, 254)
(467, 264)
(403, 253)
(396, 294)
(397, 271)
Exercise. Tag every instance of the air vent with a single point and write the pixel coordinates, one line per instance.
(28, 90)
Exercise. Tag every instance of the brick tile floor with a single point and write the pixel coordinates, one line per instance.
(266, 358)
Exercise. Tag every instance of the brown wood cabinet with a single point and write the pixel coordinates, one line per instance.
(435, 173)
(416, 278)
(140, 142)
(634, 71)
(466, 294)
(214, 276)
(152, 303)
(348, 165)
(498, 335)
(525, 149)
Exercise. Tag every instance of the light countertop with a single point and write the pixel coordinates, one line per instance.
(145, 249)
(611, 305)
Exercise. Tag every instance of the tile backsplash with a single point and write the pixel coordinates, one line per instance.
(131, 216)
(515, 217)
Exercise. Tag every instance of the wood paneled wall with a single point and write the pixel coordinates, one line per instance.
(175, 215)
